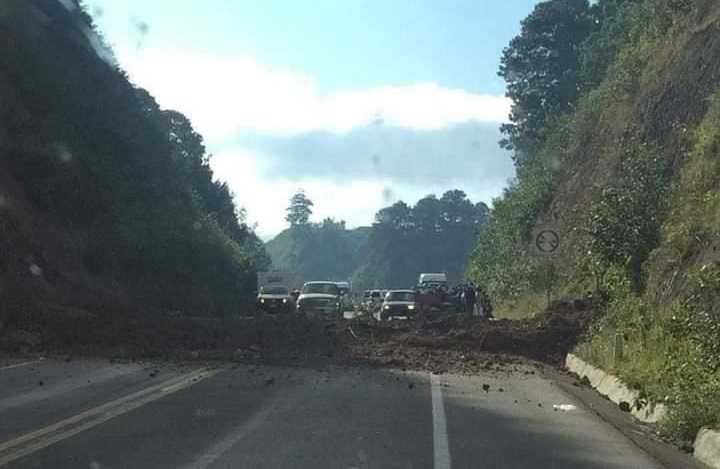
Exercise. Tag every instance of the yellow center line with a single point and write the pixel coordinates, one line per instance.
(36, 440)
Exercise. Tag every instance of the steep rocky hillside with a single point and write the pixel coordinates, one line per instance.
(630, 180)
(107, 201)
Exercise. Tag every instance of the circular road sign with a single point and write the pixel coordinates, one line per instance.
(547, 241)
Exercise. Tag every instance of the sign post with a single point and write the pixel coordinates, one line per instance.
(546, 241)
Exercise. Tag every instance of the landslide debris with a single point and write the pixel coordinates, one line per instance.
(439, 344)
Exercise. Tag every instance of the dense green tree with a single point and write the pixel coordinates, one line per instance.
(299, 210)
(434, 234)
(130, 182)
(611, 19)
(427, 213)
(542, 68)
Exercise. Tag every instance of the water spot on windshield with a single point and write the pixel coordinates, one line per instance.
(387, 194)
(205, 412)
(96, 11)
(35, 270)
(555, 163)
(62, 153)
(142, 28)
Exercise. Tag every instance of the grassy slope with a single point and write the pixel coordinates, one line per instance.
(651, 133)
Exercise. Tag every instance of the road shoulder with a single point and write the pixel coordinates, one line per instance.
(641, 435)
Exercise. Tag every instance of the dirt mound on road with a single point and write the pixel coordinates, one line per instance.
(445, 343)
(465, 342)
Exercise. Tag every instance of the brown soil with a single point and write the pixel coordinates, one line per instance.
(439, 344)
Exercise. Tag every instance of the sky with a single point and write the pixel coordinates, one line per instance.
(360, 103)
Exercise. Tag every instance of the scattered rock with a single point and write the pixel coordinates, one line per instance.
(411, 385)
(486, 387)
(624, 406)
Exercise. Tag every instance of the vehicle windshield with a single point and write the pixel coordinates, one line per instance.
(326, 288)
(400, 296)
(274, 290)
(199, 202)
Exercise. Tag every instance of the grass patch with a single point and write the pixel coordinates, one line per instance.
(526, 306)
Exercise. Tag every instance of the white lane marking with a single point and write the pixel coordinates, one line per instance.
(223, 446)
(66, 386)
(17, 365)
(441, 448)
(564, 407)
(44, 437)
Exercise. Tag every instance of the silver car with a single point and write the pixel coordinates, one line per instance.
(320, 299)
(399, 304)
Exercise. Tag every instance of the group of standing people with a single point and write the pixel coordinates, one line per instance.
(471, 299)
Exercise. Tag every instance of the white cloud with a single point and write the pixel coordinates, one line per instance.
(224, 95)
(355, 202)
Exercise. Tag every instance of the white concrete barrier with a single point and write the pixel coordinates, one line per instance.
(611, 387)
(707, 447)
(707, 442)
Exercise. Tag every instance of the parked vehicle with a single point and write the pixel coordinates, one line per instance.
(433, 292)
(399, 304)
(320, 298)
(432, 279)
(274, 299)
(345, 289)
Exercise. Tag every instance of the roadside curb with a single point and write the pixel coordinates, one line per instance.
(707, 442)
(707, 447)
(614, 389)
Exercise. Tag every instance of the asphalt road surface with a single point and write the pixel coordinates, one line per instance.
(95, 414)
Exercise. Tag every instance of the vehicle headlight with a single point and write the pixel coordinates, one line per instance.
(262, 300)
(284, 300)
(411, 306)
(387, 306)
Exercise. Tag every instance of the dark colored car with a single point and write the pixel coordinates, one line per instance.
(399, 303)
(274, 299)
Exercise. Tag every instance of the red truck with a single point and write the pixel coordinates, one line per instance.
(433, 292)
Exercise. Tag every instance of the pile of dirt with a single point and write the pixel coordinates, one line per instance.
(461, 343)
(439, 344)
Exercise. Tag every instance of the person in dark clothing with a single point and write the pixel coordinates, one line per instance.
(486, 305)
(470, 299)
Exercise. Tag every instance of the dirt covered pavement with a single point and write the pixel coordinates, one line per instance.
(440, 344)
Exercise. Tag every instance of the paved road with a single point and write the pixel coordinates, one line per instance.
(102, 415)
